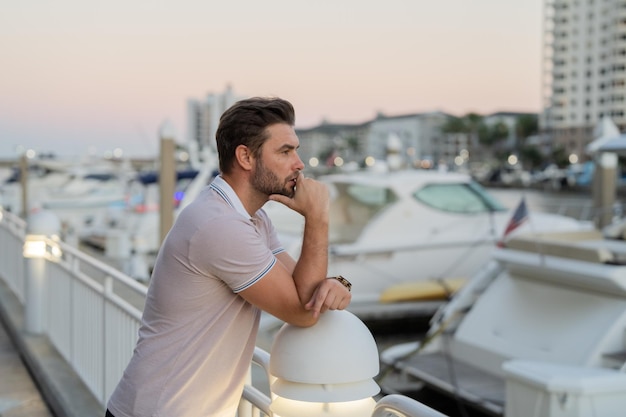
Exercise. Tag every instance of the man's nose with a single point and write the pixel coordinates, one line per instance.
(299, 163)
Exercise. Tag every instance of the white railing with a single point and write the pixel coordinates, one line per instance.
(93, 312)
(400, 406)
(12, 234)
(90, 319)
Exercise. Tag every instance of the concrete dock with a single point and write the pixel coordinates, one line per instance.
(19, 395)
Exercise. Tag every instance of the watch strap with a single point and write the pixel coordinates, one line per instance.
(343, 281)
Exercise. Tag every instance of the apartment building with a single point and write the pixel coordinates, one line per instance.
(203, 117)
(583, 71)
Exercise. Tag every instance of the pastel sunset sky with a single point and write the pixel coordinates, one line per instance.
(76, 74)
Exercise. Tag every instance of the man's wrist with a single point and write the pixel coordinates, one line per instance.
(343, 282)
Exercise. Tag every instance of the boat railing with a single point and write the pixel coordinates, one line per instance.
(91, 313)
(586, 211)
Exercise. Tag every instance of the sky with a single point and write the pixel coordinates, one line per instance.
(82, 76)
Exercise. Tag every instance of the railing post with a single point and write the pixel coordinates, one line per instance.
(34, 295)
(603, 190)
(107, 291)
(24, 185)
(41, 225)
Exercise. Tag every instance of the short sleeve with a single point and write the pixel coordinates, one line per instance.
(232, 249)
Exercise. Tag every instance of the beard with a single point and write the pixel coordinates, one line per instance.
(266, 182)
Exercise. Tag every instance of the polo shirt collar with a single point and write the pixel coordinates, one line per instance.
(228, 194)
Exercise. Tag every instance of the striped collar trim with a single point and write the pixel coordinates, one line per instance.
(228, 194)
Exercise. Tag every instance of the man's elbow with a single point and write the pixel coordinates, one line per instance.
(307, 319)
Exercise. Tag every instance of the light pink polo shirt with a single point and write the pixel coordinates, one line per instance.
(197, 335)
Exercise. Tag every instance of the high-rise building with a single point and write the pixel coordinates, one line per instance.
(203, 117)
(583, 71)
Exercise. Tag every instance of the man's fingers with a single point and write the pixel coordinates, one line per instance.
(324, 298)
(315, 303)
(279, 198)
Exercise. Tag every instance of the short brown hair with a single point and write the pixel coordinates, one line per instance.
(245, 123)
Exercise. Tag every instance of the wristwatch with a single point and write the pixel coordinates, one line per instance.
(343, 281)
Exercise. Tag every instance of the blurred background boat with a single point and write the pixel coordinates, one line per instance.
(406, 238)
(78, 191)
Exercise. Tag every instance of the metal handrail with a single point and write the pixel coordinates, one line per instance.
(395, 405)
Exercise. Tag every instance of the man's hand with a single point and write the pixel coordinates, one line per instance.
(311, 198)
(330, 294)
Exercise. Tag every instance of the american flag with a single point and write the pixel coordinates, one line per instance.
(519, 216)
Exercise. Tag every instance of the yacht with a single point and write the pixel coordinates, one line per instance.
(410, 235)
(538, 331)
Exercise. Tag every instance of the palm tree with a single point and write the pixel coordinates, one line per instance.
(471, 124)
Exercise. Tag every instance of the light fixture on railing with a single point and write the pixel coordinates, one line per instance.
(326, 370)
(42, 224)
(34, 246)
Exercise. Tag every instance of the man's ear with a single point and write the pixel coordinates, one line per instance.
(244, 157)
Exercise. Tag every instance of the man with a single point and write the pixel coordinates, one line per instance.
(221, 264)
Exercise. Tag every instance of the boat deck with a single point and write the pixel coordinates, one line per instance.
(436, 370)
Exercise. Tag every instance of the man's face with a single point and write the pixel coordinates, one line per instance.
(277, 168)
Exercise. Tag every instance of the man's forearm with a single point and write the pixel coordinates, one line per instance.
(312, 266)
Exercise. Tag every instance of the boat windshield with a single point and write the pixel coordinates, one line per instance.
(353, 206)
(458, 198)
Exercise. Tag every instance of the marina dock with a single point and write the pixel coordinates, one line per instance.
(19, 395)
